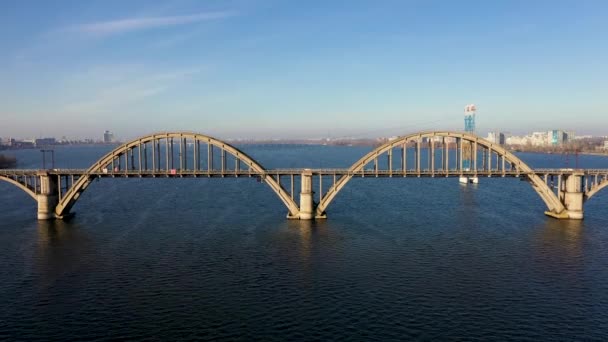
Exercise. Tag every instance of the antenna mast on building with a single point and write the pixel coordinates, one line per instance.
(467, 152)
(469, 118)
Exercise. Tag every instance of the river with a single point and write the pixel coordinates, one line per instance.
(397, 259)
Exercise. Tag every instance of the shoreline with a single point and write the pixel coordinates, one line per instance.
(589, 153)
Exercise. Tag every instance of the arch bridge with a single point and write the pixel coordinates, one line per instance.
(425, 154)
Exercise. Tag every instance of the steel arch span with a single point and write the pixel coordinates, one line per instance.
(23, 185)
(554, 205)
(595, 189)
(157, 146)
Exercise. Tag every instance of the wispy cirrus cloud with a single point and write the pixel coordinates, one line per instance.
(120, 26)
(107, 88)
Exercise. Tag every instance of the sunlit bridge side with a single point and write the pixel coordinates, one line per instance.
(307, 193)
(25, 182)
(482, 158)
(599, 181)
(174, 154)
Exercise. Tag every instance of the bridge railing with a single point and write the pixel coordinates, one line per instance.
(295, 171)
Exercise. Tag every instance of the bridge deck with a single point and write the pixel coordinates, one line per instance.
(434, 154)
(289, 172)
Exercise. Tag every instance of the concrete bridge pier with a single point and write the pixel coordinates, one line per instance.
(307, 206)
(573, 196)
(48, 198)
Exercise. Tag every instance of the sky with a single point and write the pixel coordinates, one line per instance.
(301, 69)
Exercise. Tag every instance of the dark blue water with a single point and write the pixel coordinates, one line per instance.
(397, 259)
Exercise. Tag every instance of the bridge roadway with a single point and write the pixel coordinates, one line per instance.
(423, 154)
(176, 173)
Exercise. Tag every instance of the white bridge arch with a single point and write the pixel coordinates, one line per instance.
(552, 202)
(142, 147)
(198, 155)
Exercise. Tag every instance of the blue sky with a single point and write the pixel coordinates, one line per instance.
(301, 69)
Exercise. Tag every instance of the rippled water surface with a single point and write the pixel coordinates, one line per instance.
(397, 259)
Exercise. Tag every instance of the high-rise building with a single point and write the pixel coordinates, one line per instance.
(469, 127)
(496, 138)
(469, 118)
(557, 137)
(108, 137)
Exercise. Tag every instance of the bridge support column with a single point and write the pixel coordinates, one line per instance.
(48, 196)
(307, 207)
(570, 194)
(573, 196)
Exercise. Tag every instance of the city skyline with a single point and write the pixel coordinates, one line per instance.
(496, 136)
(272, 69)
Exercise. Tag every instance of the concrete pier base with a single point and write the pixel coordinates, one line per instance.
(48, 198)
(467, 180)
(560, 216)
(46, 206)
(572, 197)
(307, 206)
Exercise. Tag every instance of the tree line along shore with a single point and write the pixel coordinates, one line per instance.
(7, 162)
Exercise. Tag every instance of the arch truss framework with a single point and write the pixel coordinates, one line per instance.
(424, 154)
(464, 155)
(25, 181)
(176, 154)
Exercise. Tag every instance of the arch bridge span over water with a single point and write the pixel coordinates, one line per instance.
(425, 154)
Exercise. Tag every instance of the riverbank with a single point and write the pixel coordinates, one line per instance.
(603, 154)
(589, 153)
(7, 162)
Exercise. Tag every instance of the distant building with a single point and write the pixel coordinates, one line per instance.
(496, 138)
(514, 140)
(469, 127)
(108, 137)
(469, 118)
(44, 142)
(534, 139)
(23, 143)
(570, 136)
(538, 139)
(557, 137)
(606, 145)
